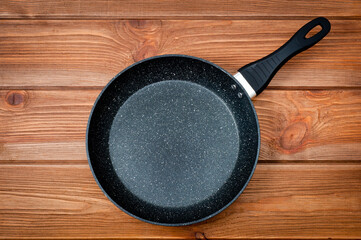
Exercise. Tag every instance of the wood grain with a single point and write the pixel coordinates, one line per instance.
(177, 9)
(281, 201)
(64, 53)
(312, 125)
(49, 125)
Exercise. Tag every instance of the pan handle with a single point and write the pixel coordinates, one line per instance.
(256, 76)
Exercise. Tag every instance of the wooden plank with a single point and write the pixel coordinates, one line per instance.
(45, 116)
(35, 54)
(310, 125)
(281, 201)
(177, 9)
(295, 125)
(56, 150)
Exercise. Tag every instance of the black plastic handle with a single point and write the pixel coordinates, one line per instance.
(259, 73)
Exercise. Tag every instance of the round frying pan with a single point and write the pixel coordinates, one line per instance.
(174, 139)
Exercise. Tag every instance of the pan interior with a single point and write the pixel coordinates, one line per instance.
(174, 143)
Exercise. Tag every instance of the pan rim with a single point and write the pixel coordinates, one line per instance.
(160, 223)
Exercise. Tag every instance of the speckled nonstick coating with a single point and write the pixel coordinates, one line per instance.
(171, 141)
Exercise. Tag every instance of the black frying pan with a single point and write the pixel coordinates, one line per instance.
(174, 140)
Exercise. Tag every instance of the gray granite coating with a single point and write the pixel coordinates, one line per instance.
(175, 140)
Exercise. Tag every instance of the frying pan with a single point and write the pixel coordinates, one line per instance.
(174, 139)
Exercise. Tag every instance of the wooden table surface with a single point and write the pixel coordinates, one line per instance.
(56, 56)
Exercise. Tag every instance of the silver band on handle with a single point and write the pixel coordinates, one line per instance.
(239, 77)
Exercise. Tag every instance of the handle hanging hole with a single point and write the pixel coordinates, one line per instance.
(314, 31)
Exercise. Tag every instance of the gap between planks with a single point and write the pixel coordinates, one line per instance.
(210, 17)
(276, 88)
(4, 163)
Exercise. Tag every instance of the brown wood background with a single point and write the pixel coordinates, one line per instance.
(55, 57)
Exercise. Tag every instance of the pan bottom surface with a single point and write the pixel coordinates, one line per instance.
(174, 143)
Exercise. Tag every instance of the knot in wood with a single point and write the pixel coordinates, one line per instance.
(200, 235)
(293, 136)
(147, 49)
(16, 98)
